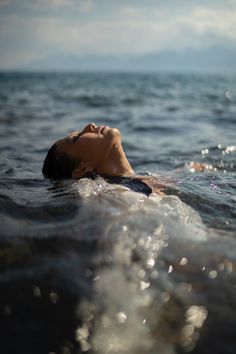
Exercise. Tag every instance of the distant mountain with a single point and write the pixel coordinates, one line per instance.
(211, 59)
(208, 59)
(75, 62)
(188, 60)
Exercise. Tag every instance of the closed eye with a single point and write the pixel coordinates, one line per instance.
(72, 138)
(75, 138)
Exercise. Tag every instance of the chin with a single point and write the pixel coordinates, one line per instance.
(113, 132)
(116, 131)
(117, 136)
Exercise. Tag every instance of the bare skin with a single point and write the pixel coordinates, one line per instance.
(99, 149)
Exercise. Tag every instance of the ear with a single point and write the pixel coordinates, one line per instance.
(81, 170)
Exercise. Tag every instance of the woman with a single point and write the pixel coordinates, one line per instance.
(96, 150)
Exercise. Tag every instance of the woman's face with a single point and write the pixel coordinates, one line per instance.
(91, 145)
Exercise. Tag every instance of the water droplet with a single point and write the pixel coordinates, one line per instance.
(150, 263)
(141, 273)
(121, 317)
(144, 285)
(196, 315)
(229, 266)
(81, 333)
(53, 297)
(165, 296)
(36, 291)
(188, 330)
(221, 267)
(154, 274)
(183, 261)
(228, 94)
(204, 151)
(213, 274)
(85, 346)
(230, 149)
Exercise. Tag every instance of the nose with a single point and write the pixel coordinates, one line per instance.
(92, 127)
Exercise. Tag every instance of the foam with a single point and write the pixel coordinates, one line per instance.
(131, 292)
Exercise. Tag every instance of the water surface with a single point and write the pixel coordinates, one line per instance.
(91, 267)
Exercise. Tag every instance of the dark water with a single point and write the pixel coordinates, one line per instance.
(92, 267)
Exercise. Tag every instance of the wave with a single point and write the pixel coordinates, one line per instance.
(116, 265)
(88, 100)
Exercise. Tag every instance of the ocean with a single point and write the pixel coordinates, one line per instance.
(90, 267)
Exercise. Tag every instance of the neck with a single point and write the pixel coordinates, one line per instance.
(117, 163)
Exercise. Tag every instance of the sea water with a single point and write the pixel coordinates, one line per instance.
(91, 267)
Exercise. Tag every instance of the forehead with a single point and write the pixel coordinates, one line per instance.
(64, 143)
(71, 134)
(60, 144)
(68, 137)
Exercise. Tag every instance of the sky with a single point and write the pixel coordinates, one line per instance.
(37, 30)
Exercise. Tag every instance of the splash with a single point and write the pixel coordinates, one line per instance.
(133, 293)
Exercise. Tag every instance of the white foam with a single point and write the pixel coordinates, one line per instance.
(141, 228)
(107, 201)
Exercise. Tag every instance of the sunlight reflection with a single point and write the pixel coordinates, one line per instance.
(81, 336)
(195, 318)
(183, 261)
(144, 285)
(150, 263)
(53, 297)
(121, 317)
(213, 274)
(196, 315)
(36, 291)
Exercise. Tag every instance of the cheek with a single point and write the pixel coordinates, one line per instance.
(92, 149)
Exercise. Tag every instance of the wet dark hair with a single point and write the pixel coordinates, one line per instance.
(58, 165)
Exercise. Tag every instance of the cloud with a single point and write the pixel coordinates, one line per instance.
(48, 5)
(4, 2)
(124, 30)
(81, 5)
(199, 21)
(54, 3)
(142, 31)
(221, 22)
(85, 5)
(13, 58)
